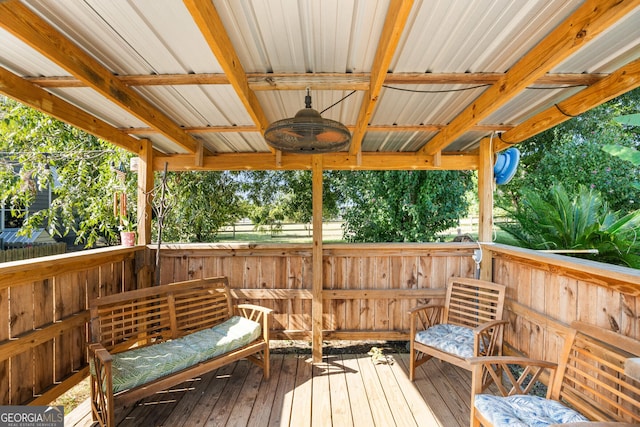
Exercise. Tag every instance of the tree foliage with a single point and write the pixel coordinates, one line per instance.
(571, 153)
(39, 151)
(200, 203)
(556, 220)
(403, 206)
(278, 196)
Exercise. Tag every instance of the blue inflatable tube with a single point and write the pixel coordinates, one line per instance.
(506, 165)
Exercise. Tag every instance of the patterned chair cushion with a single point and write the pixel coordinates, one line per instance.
(452, 339)
(524, 411)
(142, 365)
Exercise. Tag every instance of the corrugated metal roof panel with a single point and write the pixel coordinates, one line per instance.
(474, 36)
(20, 59)
(423, 104)
(141, 37)
(198, 105)
(611, 50)
(529, 103)
(278, 105)
(234, 142)
(147, 37)
(299, 36)
(89, 100)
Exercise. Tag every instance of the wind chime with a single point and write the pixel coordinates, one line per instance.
(127, 236)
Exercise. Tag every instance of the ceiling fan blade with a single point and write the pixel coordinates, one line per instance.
(330, 136)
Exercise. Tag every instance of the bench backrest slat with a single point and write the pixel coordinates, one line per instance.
(145, 316)
(591, 377)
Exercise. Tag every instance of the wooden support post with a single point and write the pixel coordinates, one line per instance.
(485, 197)
(145, 189)
(316, 261)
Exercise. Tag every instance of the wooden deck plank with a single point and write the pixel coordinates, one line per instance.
(302, 394)
(321, 395)
(428, 390)
(395, 397)
(446, 390)
(360, 405)
(221, 412)
(344, 390)
(200, 412)
(265, 398)
(378, 403)
(241, 410)
(186, 405)
(415, 401)
(339, 393)
(283, 398)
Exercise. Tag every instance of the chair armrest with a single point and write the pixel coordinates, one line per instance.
(424, 307)
(487, 338)
(424, 316)
(257, 313)
(509, 383)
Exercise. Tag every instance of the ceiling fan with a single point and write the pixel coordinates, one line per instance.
(307, 133)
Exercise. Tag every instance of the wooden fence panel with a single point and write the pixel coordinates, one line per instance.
(546, 292)
(43, 319)
(32, 252)
(279, 277)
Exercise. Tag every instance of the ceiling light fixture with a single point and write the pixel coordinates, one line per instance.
(307, 132)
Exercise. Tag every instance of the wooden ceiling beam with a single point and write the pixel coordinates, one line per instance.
(208, 21)
(621, 81)
(395, 22)
(321, 81)
(24, 24)
(34, 96)
(370, 128)
(588, 21)
(330, 161)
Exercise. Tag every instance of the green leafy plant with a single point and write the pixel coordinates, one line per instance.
(557, 220)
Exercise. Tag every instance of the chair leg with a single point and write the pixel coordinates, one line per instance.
(412, 362)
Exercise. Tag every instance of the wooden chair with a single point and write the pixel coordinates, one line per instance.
(588, 384)
(469, 324)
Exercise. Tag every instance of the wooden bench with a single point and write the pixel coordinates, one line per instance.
(148, 340)
(588, 384)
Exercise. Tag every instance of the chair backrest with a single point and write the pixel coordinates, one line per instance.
(591, 375)
(471, 302)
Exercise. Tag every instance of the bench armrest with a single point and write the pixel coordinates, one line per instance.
(258, 314)
(508, 383)
(102, 405)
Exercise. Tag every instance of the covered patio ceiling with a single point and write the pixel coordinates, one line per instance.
(419, 83)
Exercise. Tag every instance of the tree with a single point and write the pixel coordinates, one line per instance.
(278, 196)
(403, 206)
(200, 204)
(557, 220)
(571, 154)
(81, 169)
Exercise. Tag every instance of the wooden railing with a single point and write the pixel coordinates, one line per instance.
(368, 289)
(43, 317)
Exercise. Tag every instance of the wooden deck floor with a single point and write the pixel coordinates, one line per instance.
(344, 390)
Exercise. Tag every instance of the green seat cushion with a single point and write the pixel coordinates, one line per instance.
(143, 365)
